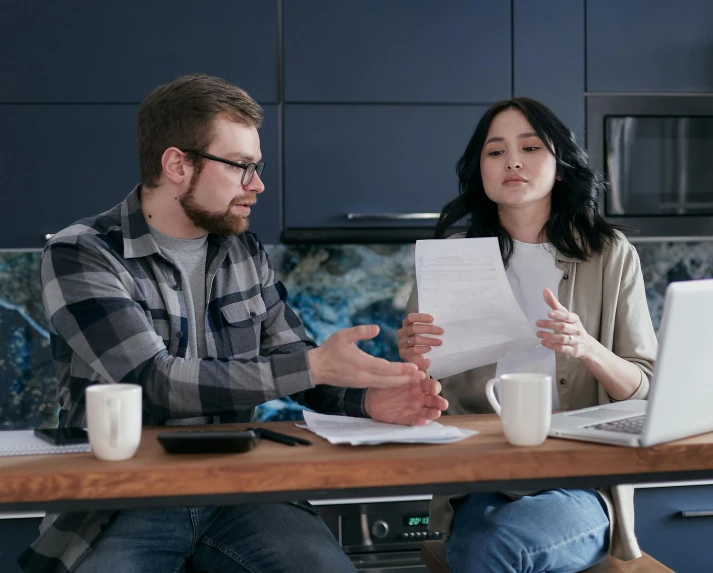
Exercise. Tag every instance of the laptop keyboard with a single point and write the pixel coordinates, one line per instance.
(633, 425)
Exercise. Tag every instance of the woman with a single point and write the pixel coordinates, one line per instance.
(524, 180)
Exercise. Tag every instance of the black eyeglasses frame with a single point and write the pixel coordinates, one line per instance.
(256, 167)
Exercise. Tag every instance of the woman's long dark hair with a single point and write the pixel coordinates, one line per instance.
(574, 227)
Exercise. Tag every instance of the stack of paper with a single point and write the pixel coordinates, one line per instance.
(364, 431)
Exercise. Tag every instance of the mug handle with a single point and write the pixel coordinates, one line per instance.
(114, 417)
(490, 394)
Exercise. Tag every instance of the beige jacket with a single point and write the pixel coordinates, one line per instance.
(607, 292)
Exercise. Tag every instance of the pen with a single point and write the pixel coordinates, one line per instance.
(281, 438)
(295, 439)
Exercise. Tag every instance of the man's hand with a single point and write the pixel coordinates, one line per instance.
(340, 363)
(411, 404)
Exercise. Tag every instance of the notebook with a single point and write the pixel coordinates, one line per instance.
(25, 443)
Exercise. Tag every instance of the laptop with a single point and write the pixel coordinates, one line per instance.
(680, 401)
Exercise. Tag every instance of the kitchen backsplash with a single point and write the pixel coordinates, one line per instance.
(330, 287)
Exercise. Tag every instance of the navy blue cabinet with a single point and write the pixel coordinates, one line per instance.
(675, 526)
(15, 536)
(371, 160)
(368, 104)
(265, 218)
(650, 45)
(64, 162)
(413, 51)
(548, 57)
(77, 51)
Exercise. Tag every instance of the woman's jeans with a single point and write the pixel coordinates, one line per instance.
(250, 538)
(558, 531)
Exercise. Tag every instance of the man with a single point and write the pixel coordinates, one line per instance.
(168, 290)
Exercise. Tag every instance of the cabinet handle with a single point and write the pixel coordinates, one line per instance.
(48, 236)
(392, 216)
(22, 515)
(697, 513)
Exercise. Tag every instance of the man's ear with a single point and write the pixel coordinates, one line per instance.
(175, 167)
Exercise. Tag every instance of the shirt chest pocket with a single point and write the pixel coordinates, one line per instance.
(243, 323)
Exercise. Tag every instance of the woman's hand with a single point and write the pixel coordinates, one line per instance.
(569, 336)
(619, 377)
(412, 342)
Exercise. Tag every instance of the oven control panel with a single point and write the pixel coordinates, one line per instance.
(379, 526)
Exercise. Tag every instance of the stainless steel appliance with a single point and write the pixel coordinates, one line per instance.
(381, 536)
(656, 151)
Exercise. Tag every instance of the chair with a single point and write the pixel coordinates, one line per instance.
(433, 555)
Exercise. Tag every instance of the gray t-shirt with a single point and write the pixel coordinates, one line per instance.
(189, 256)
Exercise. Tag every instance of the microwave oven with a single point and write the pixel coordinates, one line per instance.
(656, 150)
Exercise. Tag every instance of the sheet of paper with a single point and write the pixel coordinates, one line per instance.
(462, 283)
(365, 431)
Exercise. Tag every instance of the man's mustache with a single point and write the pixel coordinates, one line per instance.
(244, 203)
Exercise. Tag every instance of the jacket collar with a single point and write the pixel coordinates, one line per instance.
(562, 258)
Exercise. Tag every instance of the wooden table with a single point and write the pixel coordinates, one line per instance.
(275, 472)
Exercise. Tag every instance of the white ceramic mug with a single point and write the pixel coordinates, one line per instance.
(114, 420)
(525, 406)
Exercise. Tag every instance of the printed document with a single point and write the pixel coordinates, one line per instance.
(367, 432)
(463, 285)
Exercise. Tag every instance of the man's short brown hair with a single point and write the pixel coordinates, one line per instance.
(181, 114)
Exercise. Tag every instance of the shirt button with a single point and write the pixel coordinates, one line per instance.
(565, 276)
(176, 287)
(252, 314)
(179, 334)
(563, 381)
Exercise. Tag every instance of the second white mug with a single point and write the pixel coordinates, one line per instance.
(525, 406)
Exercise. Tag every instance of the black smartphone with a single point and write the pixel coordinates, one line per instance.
(63, 436)
(208, 442)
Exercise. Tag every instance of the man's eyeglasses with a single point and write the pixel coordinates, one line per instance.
(250, 168)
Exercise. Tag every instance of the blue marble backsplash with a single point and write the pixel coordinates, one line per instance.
(330, 287)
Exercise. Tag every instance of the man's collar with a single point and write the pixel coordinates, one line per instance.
(138, 240)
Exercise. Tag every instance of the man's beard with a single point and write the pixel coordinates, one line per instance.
(226, 223)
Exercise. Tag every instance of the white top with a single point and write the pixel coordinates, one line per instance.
(531, 269)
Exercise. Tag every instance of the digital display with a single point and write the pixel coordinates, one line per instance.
(415, 520)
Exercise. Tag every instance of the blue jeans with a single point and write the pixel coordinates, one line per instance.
(558, 531)
(254, 538)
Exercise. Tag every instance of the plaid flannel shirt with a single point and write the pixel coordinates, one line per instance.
(117, 313)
